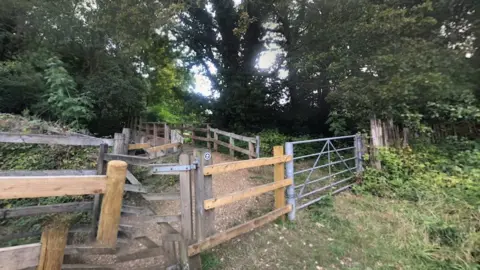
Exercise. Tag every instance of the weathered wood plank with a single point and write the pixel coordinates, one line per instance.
(87, 266)
(146, 242)
(233, 135)
(244, 164)
(236, 148)
(237, 230)
(46, 209)
(19, 257)
(133, 160)
(135, 188)
(185, 200)
(245, 194)
(162, 147)
(231, 145)
(132, 179)
(200, 138)
(53, 139)
(48, 173)
(142, 219)
(138, 146)
(142, 254)
(16, 187)
(161, 196)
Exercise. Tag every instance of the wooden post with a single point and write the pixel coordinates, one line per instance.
(193, 135)
(257, 146)
(232, 143)
(279, 175)
(376, 131)
(112, 204)
(118, 143)
(185, 200)
(203, 190)
(251, 150)
(215, 138)
(96, 200)
(126, 137)
(166, 132)
(54, 240)
(155, 135)
(209, 137)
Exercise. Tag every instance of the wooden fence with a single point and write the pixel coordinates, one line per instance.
(205, 203)
(49, 253)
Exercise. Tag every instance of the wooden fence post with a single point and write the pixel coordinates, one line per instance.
(203, 190)
(232, 143)
(257, 146)
(112, 203)
(279, 175)
(127, 133)
(155, 135)
(215, 139)
(54, 240)
(185, 199)
(118, 143)
(166, 133)
(251, 150)
(97, 198)
(209, 137)
(193, 135)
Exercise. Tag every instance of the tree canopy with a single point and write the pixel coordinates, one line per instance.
(336, 64)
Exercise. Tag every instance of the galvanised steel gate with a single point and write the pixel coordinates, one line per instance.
(331, 169)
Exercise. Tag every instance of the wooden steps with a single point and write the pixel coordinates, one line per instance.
(162, 196)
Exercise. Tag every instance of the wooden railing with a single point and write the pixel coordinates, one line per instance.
(49, 254)
(206, 203)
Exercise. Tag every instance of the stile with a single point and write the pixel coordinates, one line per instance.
(279, 175)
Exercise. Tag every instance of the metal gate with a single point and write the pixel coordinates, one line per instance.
(331, 169)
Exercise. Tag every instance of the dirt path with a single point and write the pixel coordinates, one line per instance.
(225, 183)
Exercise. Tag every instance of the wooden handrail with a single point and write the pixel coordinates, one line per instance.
(244, 164)
(16, 187)
(245, 194)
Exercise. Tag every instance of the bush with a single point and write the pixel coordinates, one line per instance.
(270, 138)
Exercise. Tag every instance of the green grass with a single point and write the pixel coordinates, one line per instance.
(357, 232)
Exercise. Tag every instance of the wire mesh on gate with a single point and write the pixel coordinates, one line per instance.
(318, 174)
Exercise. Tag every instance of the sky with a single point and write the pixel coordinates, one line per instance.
(203, 84)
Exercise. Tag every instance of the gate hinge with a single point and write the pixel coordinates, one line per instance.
(176, 168)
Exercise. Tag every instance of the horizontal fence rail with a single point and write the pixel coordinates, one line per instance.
(53, 139)
(244, 164)
(245, 194)
(219, 238)
(15, 187)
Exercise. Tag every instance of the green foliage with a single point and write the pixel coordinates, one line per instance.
(210, 261)
(415, 175)
(62, 99)
(443, 179)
